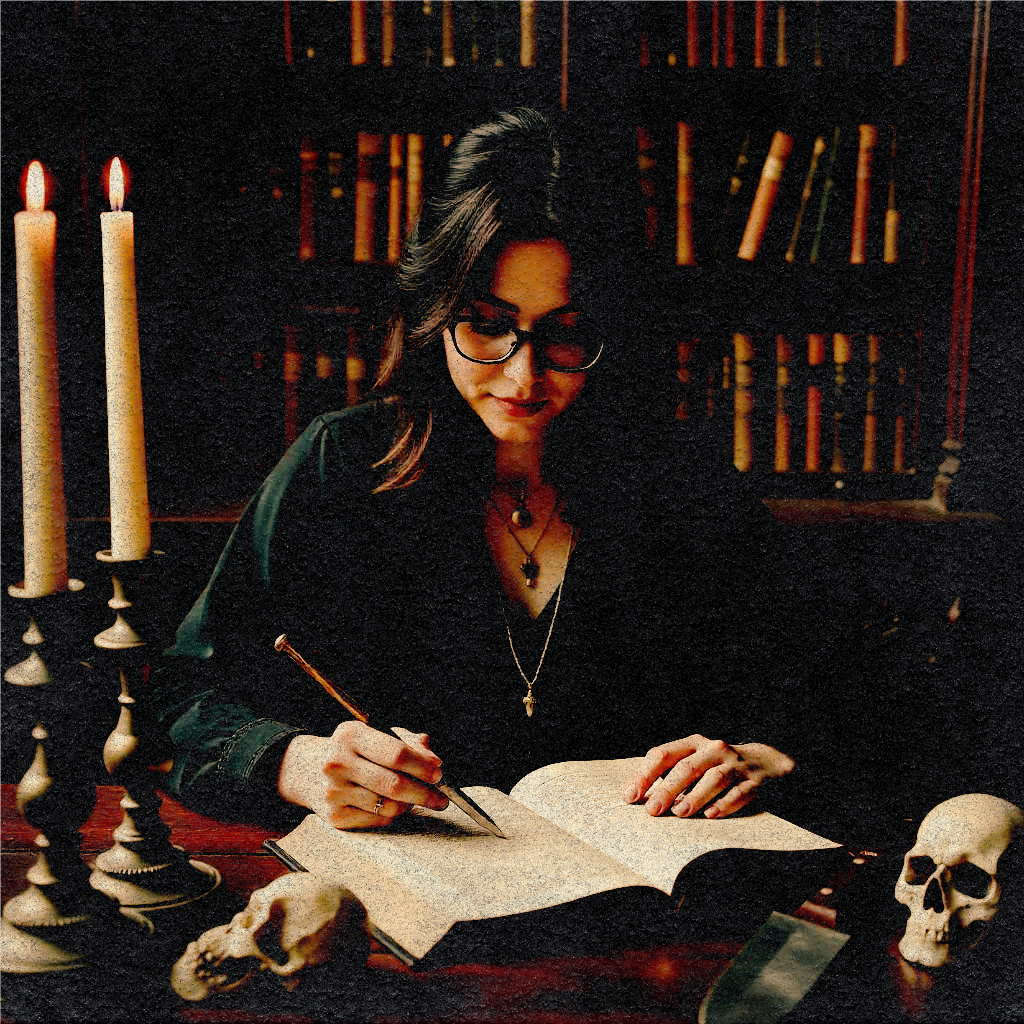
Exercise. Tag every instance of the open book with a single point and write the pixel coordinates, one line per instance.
(571, 838)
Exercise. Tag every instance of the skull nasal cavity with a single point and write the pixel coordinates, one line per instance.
(933, 896)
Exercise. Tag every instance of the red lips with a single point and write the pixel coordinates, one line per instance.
(519, 409)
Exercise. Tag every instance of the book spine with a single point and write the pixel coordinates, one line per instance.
(358, 31)
(891, 248)
(685, 255)
(369, 147)
(760, 17)
(308, 158)
(825, 193)
(781, 52)
(764, 198)
(387, 33)
(447, 34)
(646, 163)
(862, 199)
(730, 33)
(842, 349)
(716, 33)
(783, 357)
(527, 33)
(413, 179)
(870, 463)
(805, 196)
(395, 218)
(812, 442)
(743, 402)
(563, 59)
(901, 35)
(692, 35)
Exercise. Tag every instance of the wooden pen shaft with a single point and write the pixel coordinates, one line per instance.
(281, 644)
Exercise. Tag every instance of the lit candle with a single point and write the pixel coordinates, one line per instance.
(42, 471)
(129, 496)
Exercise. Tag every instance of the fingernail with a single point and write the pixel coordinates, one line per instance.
(681, 809)
(436, 775)
(711, 812)
(631, 795)
(655, 805)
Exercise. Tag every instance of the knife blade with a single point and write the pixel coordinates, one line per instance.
(457, 797)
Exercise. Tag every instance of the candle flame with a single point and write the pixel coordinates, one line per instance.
(35, 188)
(116, 186)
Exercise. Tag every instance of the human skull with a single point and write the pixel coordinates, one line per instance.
(949, 879)
(300, 920)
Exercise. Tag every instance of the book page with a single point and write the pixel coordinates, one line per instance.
(429, 869)
(585, 798)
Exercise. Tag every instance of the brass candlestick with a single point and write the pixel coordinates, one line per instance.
(60, 922)
(143, 870)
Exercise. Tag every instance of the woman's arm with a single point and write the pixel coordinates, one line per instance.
(699, 770)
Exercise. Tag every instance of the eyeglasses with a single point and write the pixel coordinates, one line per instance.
(565, 347)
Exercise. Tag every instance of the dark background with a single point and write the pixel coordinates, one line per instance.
(198, 101)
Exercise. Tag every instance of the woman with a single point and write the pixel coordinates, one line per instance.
(471, 556)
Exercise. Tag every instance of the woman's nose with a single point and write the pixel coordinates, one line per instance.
(521, 367)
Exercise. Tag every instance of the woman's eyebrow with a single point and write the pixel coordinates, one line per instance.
(488, 299)
(492, 300)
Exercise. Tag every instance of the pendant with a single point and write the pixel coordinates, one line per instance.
(529, 702)
(531, 570)
(521, 516)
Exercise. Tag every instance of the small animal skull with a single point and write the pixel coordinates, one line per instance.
(300, 920)
(949, 878)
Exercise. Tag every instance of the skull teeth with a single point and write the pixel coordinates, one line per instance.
(936, 935)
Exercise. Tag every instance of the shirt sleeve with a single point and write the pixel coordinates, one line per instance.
(214, 688)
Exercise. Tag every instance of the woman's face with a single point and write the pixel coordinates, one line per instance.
(517, 399)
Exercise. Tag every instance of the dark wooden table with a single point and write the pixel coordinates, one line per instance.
(664, 984)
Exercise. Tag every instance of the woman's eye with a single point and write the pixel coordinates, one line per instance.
(493, 328)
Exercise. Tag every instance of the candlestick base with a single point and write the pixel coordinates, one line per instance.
(60, 923)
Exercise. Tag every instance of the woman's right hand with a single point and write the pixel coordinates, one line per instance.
(358, 777)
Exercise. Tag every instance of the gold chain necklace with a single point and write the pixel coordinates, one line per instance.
(530, 569)
(528, 700)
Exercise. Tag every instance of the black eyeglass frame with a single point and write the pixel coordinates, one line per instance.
(522, 337)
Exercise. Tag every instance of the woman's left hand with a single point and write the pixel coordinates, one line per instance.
(712, 768)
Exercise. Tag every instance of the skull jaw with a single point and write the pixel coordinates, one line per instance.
(937, 945)
(926, 947)
(198, 975)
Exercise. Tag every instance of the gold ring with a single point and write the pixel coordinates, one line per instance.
(378, 806)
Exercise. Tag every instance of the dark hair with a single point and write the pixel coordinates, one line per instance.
(505, 180)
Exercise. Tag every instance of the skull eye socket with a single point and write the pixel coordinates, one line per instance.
(970, 880)
(919, 870)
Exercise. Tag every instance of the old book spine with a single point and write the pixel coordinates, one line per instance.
(764, 198)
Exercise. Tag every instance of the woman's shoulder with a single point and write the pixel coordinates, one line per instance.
(348, 443)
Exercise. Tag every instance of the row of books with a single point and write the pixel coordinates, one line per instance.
(812, 403)
(710, 33)
(803, 198)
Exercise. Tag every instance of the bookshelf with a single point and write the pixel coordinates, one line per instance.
(256, 113)
(817, 367)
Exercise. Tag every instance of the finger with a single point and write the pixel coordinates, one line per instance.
(389, 752)
(417, 739)
(739, 796)
(714, 781)
(392, 785)
(657, 761)
(382, 808)
(710, 755)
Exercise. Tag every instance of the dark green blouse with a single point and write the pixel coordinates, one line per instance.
(394, 597)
